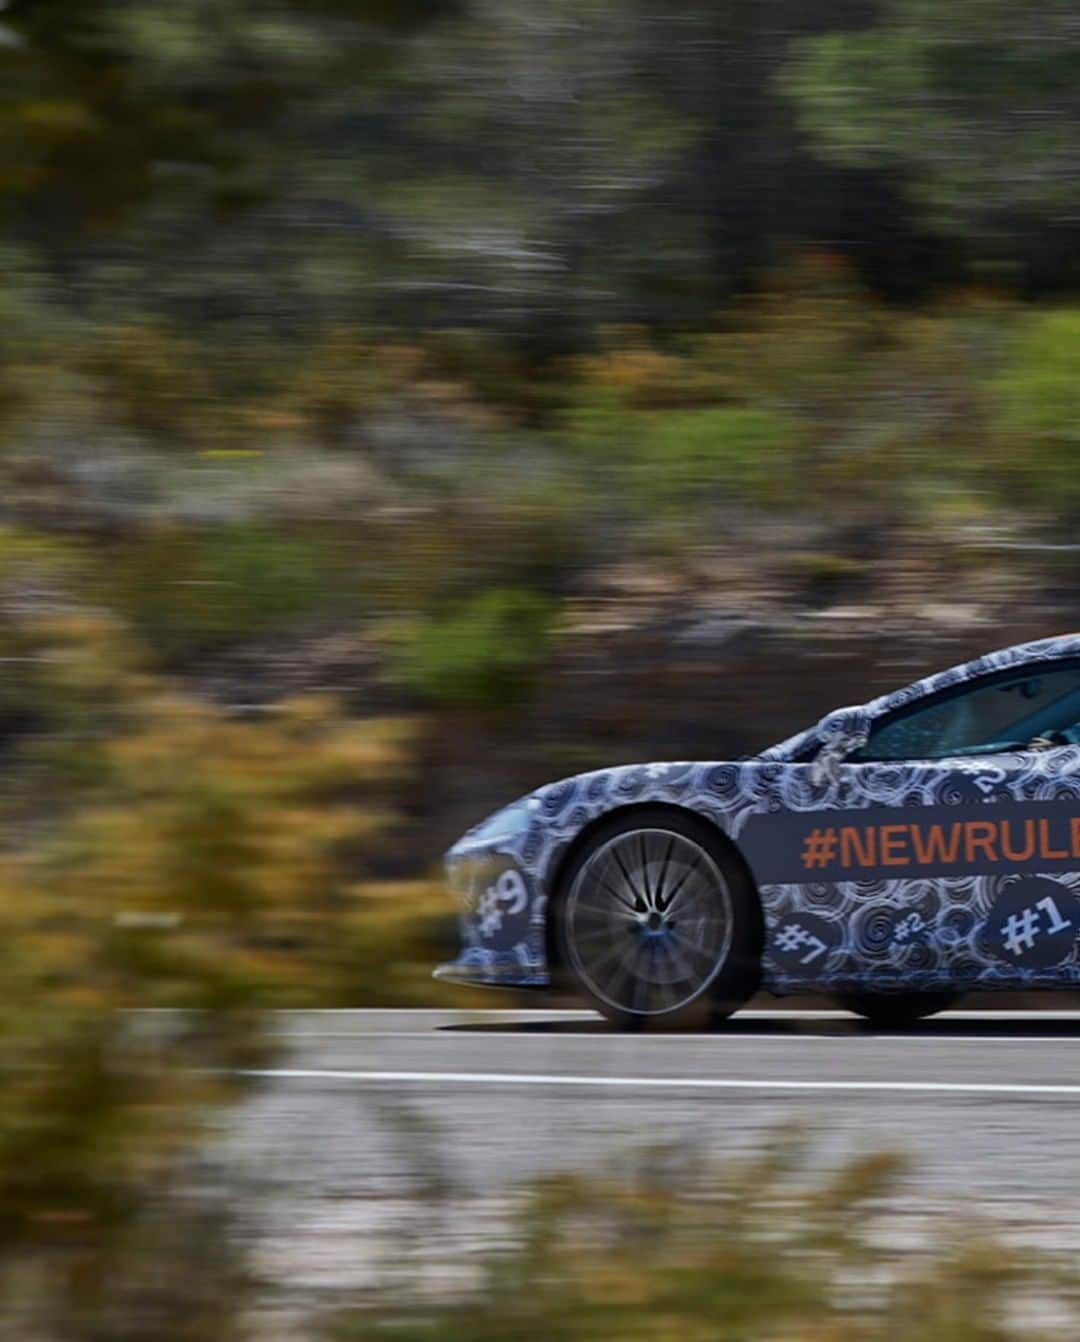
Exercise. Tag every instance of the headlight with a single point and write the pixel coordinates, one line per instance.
(505, 824)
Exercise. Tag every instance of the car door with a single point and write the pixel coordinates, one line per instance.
(942, 851)
(970, 836)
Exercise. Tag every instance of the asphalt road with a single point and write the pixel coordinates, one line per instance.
(365, 1112)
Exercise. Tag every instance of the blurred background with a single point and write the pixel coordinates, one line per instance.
(407, 402)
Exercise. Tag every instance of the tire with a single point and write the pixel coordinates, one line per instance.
(657, 921)
(891, 1010)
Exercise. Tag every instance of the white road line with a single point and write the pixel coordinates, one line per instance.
(661, 1083)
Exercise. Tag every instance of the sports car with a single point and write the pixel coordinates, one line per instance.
(895, 854)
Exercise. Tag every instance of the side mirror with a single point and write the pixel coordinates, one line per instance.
(841, 734)
(825, 767)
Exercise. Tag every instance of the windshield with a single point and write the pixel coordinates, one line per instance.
(1007, 711)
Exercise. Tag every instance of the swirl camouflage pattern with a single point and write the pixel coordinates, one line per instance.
(940, 872)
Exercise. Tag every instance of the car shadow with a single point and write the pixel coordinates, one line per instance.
(989, 1026)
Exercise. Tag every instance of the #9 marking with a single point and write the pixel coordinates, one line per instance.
(507, 897)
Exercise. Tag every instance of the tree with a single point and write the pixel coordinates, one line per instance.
(105, 104)
(972, 105)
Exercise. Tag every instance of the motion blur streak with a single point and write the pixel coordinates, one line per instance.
(403, 402)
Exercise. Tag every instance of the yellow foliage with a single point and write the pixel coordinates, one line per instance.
(637, 373)
(218, 848)
(155, 380)
(172, 855)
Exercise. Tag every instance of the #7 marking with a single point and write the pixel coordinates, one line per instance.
(793, 936)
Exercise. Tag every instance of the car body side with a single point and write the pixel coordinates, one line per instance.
(917, 875)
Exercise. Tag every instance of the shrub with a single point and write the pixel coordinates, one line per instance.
(483, 654)
(163, 854)
(1038, 400)
(154, 381)
(332, 385)
(730, 452)
(194, 591)
(744, 1254)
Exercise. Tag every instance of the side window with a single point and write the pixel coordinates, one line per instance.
(1002, 711)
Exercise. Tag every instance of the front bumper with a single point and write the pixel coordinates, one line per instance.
(469, 974)
(502, 918)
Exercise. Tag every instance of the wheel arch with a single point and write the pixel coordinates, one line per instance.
(563, 860)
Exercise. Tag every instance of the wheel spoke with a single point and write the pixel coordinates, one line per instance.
(680, 962)
(626, 875)
(607, 912)
(618, 895)
(601, 933)
(650, 895)
(624, 970)
(690, 945)
(685, 888)
(681, 885)
(661, 881)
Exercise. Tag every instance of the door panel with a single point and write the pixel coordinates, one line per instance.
(927, 874)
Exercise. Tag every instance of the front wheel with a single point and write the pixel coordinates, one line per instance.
(891, 1010)
(656, 921)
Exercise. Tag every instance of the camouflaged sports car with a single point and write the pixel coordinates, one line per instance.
(895, 854)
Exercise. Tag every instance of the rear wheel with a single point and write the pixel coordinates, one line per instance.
(656, 922)
(889, 1010)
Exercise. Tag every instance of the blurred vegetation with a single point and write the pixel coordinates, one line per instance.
(753, 1250)
(160, 853)
(954, 98)
(192, 591)
(352, 354)
(482, 654)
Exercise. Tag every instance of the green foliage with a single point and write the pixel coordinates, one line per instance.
(204, 90)
(484, 653)
(812, 396)
(1038, 395)
(732, 453)
(31, 556)
(194, 591)
(971, 102)
(1040, 390)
